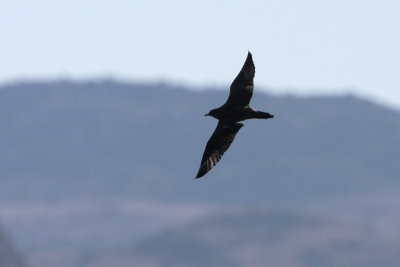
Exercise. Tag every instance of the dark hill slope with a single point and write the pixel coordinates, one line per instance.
(64, 139)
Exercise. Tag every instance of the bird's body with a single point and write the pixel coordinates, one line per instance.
(229, 114)
(233, 113)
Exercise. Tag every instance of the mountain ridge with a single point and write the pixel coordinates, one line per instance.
(96, 130)
(85, 158)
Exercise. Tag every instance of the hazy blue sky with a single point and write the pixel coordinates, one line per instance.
(298, 46)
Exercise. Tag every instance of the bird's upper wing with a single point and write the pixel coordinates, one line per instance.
(219, 142)
(242, 87)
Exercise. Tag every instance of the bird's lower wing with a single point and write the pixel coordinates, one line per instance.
(219, 142)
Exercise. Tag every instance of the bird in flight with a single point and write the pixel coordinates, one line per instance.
(235, 109)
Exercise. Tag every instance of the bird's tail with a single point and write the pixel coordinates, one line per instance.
(263, 115)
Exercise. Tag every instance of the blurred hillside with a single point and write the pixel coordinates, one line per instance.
(98, 166)
(254, 238)
(8, 256)
(146, 141)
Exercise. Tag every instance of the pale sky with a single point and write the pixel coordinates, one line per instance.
(302, 47)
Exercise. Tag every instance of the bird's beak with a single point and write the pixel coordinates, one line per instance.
(206, 115)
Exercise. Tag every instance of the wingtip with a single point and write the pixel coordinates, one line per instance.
(197, 176)
(249, 58)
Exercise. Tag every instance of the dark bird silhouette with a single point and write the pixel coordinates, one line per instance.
(235, 109)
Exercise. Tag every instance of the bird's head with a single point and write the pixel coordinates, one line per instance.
(212, 113)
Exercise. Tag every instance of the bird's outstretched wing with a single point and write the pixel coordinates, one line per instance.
(219, 142)
(242, 87)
